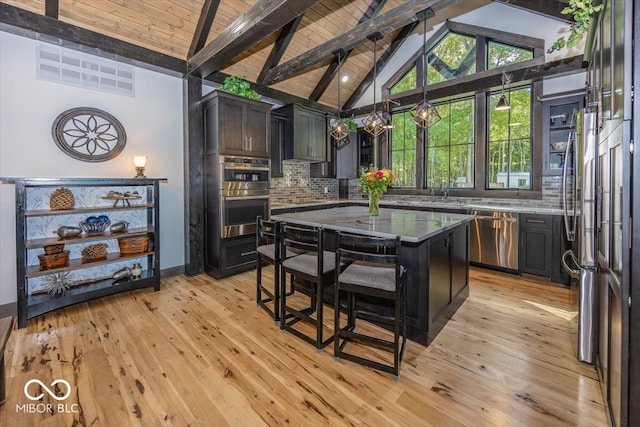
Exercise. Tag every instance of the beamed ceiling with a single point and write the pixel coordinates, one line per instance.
(283, 45)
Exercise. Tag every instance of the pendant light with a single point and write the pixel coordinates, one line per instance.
(338, 129)
(374, 123)
(425, 114)
(503, 102)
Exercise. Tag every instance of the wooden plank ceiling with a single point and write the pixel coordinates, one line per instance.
(171, 27)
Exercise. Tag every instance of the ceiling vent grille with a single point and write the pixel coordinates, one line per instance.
(74, 68)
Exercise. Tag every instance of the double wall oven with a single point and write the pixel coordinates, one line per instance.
(244, 194)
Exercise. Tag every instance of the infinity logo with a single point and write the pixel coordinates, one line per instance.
(47, 389)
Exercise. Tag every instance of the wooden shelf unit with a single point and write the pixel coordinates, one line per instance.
(32, 300)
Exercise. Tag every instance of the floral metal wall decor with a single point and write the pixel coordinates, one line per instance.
(89, 134)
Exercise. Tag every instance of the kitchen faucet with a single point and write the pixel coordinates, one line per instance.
(445, 192)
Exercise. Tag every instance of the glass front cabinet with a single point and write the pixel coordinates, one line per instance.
(559, 124)
(79, 239)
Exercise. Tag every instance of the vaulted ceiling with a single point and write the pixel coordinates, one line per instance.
(264, 40)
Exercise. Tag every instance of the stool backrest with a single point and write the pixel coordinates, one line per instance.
(267, 233)
(359, 247)
(304, 239)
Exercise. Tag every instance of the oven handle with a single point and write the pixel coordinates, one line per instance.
(246, 197)
(246, 167)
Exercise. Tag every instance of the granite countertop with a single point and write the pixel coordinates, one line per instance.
(412, 226)
(454, 204)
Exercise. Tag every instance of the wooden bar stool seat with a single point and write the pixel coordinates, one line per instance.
(374, 273)
(315, 266)
(269, 250)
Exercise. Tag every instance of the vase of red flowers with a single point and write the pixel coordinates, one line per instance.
(375, 182)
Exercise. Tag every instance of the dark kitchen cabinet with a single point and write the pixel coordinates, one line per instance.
(365, 150)
(558, 123)
(240, 126)
(238, 254)
(278, 124)
(305, 133)
(448, 276)
(535, 244)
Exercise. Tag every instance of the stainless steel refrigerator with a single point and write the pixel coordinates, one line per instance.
(579, 200)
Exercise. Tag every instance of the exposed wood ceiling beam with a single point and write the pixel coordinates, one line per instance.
(279, 47)
(532, 70)
(264, 18)
(285, 98)
(28, 24)
(51, 8)
(548, 8)
(387, 22)
(384, 58)
(332, 69)
(208, 14)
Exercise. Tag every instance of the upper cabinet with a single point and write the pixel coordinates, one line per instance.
(305, 133)
(240, 126)
(558, 124)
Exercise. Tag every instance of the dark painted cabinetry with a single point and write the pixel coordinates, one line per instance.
(305, 133)
(278, 123)
(448, 276)
(542, 243)
(239, 125)
(558, 122)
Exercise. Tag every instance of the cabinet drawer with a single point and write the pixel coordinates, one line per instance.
(536, 221)
(239, 251)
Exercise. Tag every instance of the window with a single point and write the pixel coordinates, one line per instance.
(407, 82)
(509, 141)
(450, 146)
(454, 56)
(403, 149)
(500, 54)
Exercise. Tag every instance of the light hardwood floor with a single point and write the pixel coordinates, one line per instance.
(200, 352)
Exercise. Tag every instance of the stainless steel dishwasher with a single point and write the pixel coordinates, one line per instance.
(494, 239)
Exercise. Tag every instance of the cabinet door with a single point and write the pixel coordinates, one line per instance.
(347, 159)
(459, 260)
(318, 138)
(535, 255)
(239, 253)
(439, 276)
(256, 137)
(230, 122)
(302, 123)
(559, 121)
(277, 145)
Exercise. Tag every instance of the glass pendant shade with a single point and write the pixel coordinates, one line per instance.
(425, 114)
(374, 123)
(503, 103)
(338, 129)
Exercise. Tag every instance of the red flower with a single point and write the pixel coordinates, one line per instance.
(379, 175)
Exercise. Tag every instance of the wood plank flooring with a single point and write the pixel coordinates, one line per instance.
(200, 353)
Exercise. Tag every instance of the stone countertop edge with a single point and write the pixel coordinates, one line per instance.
(356, 219)
(426, 204)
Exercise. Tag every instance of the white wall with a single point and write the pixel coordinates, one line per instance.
(28, 106)
(496, 16)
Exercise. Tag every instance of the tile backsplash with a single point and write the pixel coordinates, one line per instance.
(296, 186)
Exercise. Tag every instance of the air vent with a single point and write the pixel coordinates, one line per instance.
(81, 69)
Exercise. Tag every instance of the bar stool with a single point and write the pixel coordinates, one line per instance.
(373, 270)
(315, 266)
(269, 250)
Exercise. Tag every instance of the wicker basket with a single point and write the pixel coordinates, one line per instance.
(62, 199)
(95, 252)
(133, 245)
(54, 249)
(54, 260)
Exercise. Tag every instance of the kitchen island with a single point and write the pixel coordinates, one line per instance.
(434, 251)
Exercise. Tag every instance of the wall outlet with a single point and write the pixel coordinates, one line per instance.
(326, 190)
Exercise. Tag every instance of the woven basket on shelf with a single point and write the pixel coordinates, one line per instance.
(94, 252)
(62, 199)
(54, 260)
(133, 245)
(53, 249)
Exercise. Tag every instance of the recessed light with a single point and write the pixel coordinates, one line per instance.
(345, 78)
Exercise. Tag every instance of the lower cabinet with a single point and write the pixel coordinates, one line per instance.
(448, 277)
(542, 243)
(237, 254)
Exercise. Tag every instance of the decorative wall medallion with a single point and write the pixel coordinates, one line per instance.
(89, 134)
